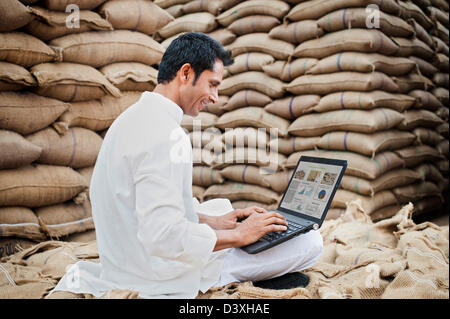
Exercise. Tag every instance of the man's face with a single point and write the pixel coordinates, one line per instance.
(205, 91)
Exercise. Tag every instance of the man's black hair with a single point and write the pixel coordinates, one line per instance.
(197, 49)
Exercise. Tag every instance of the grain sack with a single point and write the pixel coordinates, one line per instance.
(139, 15)
(427, 205)
(442, 32)
(362, 62)
(357, 18)
(288, 71)
(77, 148)
(276, 9)
(253, 24)
(437, 14)
(242, 204)
(279, 181)
(442, 62)
(366, 144)
(351, 120)
(168, 3)
(25, 112)
(61, 5)
(429, 172)
(389, 180)
(412, 47)
(95, 115)
(427, 136)
(49, 25)
(291, 107)
(16, 151)
(217, 108)
(20, 222)
(385, 212)
(223, 36)
(246, 98)
(99, 48)
(255, 117)
(334, 213)
(289, 145)
(421, 33)
(86, 173)
(442, 95)
(415, 155)
(205, 176)
(248, 174)
(83, 237)
(12, 245)
(131, 76)
(261, 42)
(193, 22)
(203, 156)
(252, 80)
(364, 100)
(13, 15)
(443, 113)
(410, 10)
(360, 40)
(195, 6)
(443, 148)
(64, 219)
(268, 162)
(71, 82)
(318, 8)
(425, 100)
(209, 139)
(297, 32)
(415, 191)
(239, 191)
(197, 192)
(25, 50)
(39, 185)
(369, 204)
(419, 118)
(202, 121)
(14, 77)
(412, 81)
(441, 79)
(424, 67)
(358, 165)
(248, 136)
(251, 61)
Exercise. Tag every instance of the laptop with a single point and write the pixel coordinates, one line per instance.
(306, 200)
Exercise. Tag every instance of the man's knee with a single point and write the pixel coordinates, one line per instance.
(314, 248)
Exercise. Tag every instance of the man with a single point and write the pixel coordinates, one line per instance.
(150, 237)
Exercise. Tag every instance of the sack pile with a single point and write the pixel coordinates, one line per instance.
(67, 70)
(356, 80)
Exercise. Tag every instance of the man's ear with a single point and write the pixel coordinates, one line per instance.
(185, 72)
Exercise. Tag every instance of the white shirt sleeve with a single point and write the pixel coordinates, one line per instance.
(173, 244)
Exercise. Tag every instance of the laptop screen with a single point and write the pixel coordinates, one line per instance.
(311, 187)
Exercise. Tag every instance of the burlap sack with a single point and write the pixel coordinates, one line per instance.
(77, 148)
(86, 173)
(217, 108)
(410, 10)
(194, 22)
(438, 14)
(291, 107)
(39, 185)
(389, 180)
(419, 118)
(360, 40)
(341, 81)
(268, 161)
(441, 94)
(131, 76)
(246, 136)
(443, 148)
(441, 79)
(442, 32)
(168, 3)
(20, 222)
(289, 145)
(49, 25)
(261, 42)
(279, 181)
(361, 121)
(429, 172)
(143, 16)
(412, 81)
(205, 176)
(83, 237)
(64, 219)
(358, 165)
(248, 174)
(427, 136)
(362, 62)
(16, 151)
(95, 115)
(421, 33)
(288, 71)
(366, 144)
(71, 82)
(240, 191)
(252, 80)
(197, 192)
(415, 155)
(318, 8)
(425, 100)
(357, 18)
(424, 67)
(25, 50)
(297, 32)
(276, 9)
(222, 35)
(209, 139)
(61, 5)
(385, 212)
(442, 62)
(369, 203)
(202, 121)
(428, 205)
(25, 113)
(253, 24)
(14, 77)
(440, 45)
(443, 113)
(412, 47)
(18, 15)
(251, 61)
(415, 191)
(242, 204)
(364, 100)
(12, 245)
(219, 6)
(255, 117)
(246, 98)
(97, 48)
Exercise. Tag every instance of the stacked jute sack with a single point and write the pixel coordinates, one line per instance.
(393, 258)
(357, 80)
(67, 70)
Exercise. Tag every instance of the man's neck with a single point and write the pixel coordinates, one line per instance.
(167, 91)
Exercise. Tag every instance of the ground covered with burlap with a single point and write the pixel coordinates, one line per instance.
(393, 258)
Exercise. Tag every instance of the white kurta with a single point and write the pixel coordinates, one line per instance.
(147, 231)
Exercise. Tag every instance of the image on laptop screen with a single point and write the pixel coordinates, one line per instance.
(310, 188)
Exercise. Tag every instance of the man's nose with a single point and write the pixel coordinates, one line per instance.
(214, 96)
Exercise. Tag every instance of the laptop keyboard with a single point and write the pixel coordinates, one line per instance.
(291, 227)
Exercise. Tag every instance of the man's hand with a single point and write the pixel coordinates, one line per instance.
(234, 218)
